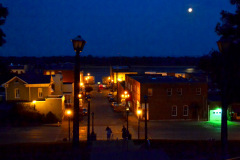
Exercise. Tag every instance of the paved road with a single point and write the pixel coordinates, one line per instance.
(105, 116)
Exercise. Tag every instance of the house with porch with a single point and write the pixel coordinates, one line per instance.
(41, 92)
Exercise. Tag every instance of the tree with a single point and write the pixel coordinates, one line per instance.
(3, 15)
(228, 58)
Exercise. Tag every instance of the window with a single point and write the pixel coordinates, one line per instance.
(174, 110)
(185, 110)
(40, 93)
(169, 91)
(17, 93)
(150, 92)
(198, 91)
(53, 86)
(179, 91)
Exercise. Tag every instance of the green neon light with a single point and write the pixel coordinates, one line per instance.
(215, 115)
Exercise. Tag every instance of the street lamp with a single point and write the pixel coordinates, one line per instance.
(139, 112)
(78, 44)
(69, 113)
(34, 102)
(88, 125)
(93, 135)
(127, 110)
(146, 134)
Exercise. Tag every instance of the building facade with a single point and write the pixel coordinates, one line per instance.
(43, 93)
(168, 97)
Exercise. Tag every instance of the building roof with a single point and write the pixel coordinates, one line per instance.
(16, 67)
(149, 78)
(35, 78)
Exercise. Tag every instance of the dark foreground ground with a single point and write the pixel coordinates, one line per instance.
(159, 150)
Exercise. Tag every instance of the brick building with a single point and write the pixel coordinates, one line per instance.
(168, 97)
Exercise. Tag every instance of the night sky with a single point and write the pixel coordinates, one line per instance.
(112, 27)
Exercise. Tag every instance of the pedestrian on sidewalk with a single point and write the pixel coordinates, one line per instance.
(109, 132)
(124, 132)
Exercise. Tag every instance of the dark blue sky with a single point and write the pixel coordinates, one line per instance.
(112, 27)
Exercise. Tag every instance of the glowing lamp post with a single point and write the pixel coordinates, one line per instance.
(78, 44)
(127, 110)
(139, 112)
(34, 102)
(69, 113)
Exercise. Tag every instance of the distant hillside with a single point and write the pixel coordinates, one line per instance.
(106, 61)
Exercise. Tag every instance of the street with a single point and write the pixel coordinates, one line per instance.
(105, 116)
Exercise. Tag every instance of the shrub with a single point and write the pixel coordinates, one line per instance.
(50, 118)
(20, 115)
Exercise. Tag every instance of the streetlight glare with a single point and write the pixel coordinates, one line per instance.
(69, 112)
(34, 101)
(139, 112)
(190, 10)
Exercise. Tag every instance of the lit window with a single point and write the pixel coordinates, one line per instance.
(198, 91)
(174, 110)
(40, 93)
(169, 91)
(47, 73)
(52, 73)
(17, 93)
(150, 92)
(185, 110)
(179, 91)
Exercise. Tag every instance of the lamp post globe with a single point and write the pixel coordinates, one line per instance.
(78, 44)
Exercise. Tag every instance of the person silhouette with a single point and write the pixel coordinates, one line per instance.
(124, 132)
(109, 132)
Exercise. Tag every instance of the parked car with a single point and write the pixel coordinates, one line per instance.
(83, 111)
(111, 99)
(110, 95)
(117, 108)
(114, 104)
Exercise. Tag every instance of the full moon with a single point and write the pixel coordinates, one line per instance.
(190, 10)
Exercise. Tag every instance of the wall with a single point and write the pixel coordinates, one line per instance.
(160, 104)
(10, 91)
(55, 105)
(57, 81)
(121, 75)
(34, 93)
(133, 87)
